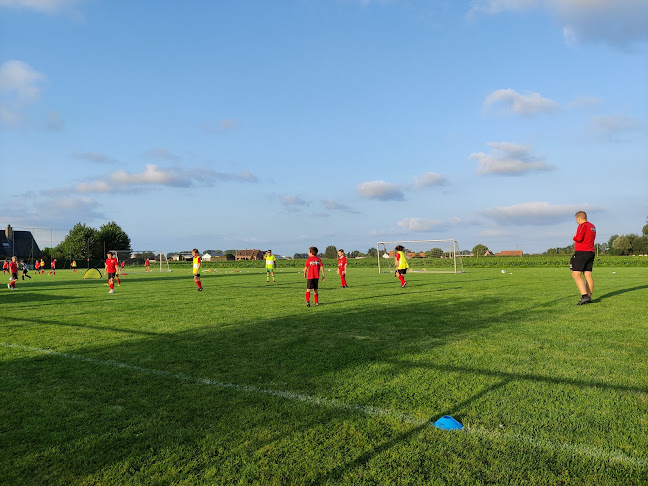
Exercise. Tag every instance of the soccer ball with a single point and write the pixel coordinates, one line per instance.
(503, 271)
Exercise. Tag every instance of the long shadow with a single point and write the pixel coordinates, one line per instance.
(87, 326)
(619, 292)
(137, 417)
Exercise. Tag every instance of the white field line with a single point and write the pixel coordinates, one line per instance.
(598, 453)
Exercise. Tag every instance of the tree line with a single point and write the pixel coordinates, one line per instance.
(84, 241)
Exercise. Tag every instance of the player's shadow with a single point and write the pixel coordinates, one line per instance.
(618, 292)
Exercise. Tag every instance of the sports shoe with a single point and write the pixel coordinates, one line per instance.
(403, 285)
(307, 304)
(316, 303)
(9, 286)
(200, 289)
(586, 299)
(111, 291)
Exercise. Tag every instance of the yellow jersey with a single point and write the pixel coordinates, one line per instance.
(196, 265)
(270, 259)
(402, 262)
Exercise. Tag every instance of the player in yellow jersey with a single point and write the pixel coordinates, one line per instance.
(401, 264)
(197, 262)
(271, 263)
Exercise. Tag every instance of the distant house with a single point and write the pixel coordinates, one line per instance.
(20, 244)
(248, 255)
(179, 257)
(510, 253)
(216, 256)
(488, 253)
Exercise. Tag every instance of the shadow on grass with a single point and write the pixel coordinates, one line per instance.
(619, 292)
(79, 420)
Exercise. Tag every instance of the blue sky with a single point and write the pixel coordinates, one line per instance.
(288, 124)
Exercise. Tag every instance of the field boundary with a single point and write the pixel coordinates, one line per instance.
(591, 452)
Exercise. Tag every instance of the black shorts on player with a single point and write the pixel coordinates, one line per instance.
(111, 275)
(402, 271)
(582, 261)
(312, 283)
(196, 275)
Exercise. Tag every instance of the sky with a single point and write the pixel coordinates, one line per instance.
(286, 124)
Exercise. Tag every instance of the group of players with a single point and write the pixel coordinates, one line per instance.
(313, 270)
(12, 266)
(581, 265)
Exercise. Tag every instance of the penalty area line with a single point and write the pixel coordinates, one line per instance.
(592, 452)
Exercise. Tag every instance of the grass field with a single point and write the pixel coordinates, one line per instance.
(242, 384)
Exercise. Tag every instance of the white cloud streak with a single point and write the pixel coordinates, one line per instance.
(507, 101)
(616, 22)
(154, 176)
(534, 213)
(430, 179)
(381, 190)
(508, 159)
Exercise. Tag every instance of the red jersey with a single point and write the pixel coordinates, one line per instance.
(313, 264)
(111, 265)
(584, 237)
(53, 264)
(37, 265)
(342, 263)
(5, 265)
(147, 262)
(13, 267)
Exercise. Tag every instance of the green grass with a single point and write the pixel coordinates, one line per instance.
(242, 384)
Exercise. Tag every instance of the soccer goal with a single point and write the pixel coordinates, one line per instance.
(135, 261)
(425, 256)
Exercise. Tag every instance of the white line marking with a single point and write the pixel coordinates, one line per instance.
(584, 450)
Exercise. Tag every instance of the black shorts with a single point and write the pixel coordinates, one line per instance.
(582, 261)
(402, 271)
(111, 275)
(312, 283)
(14, 276)
(25, 271)
(196, 275)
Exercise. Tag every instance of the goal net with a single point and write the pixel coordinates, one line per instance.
(425, 256)
(134, 261)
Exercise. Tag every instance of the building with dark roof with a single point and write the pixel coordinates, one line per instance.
(249, 255)
(20, 244)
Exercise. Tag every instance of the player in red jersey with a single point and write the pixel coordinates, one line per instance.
(37, 267)
(53, 266)
(583, 260)
(147, 265)
(312, 270)
(111, 271)
(13, 270)
(342, 268)
(5, 267)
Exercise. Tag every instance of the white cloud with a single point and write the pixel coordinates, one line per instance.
(161, 154)
(616, 22)
(534, 213)
(381, 190)
(584, 102)
(337, 206)
(421, 224)
(94, 157)
(20, 78)
(152, 176)
(292, 201)
(42, 6)
(612, 125)
(430, 179)
(508, 159)
(510, 101)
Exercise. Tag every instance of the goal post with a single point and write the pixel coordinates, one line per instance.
(424, 256)
(135, 260)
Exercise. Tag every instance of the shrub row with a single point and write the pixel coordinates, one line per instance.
(468, 262)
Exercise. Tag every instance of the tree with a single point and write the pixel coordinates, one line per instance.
(112, 237)
(354, 254)
(622, 245)
(479, 250)
(330, 252)
(372, 252)
(434, 253)
(80, 242)
(611, 240)
(644, 230)
(300, 256)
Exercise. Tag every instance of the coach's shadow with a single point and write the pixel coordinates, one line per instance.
(618, 292)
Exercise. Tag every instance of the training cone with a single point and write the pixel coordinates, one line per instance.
(448, 423)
